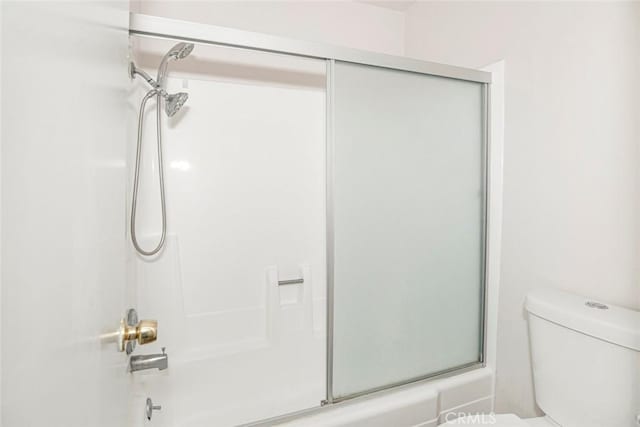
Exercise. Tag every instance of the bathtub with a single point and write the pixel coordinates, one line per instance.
(426, 404)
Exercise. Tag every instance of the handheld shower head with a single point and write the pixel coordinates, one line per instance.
(174, 102)
(179, 51)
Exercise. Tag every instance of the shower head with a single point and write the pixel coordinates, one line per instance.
(179, 51)
(174, 102)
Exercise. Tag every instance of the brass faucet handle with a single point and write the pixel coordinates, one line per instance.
(144, 332)
(147, 331)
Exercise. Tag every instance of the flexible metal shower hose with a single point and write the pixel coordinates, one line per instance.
(136, 177)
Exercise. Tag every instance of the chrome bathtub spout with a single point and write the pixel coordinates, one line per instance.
(149, 361)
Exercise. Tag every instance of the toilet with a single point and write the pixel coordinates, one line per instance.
(586, 364)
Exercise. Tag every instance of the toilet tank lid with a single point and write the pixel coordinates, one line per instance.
(607, 322)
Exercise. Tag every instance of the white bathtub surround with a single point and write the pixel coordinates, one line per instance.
(246, 209)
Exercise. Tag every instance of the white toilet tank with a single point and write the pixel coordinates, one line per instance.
(586, 360)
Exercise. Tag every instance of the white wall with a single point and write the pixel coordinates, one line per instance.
(346, 23)
(571, 213)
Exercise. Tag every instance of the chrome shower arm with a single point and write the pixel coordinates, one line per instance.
(133, 70)
(154, 84)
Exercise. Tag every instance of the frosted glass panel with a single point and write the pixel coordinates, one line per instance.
(408, 220)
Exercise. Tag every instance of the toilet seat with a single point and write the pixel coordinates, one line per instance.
(502, 420)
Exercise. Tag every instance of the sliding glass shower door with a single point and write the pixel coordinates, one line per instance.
(247, 281)
(408, 217)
